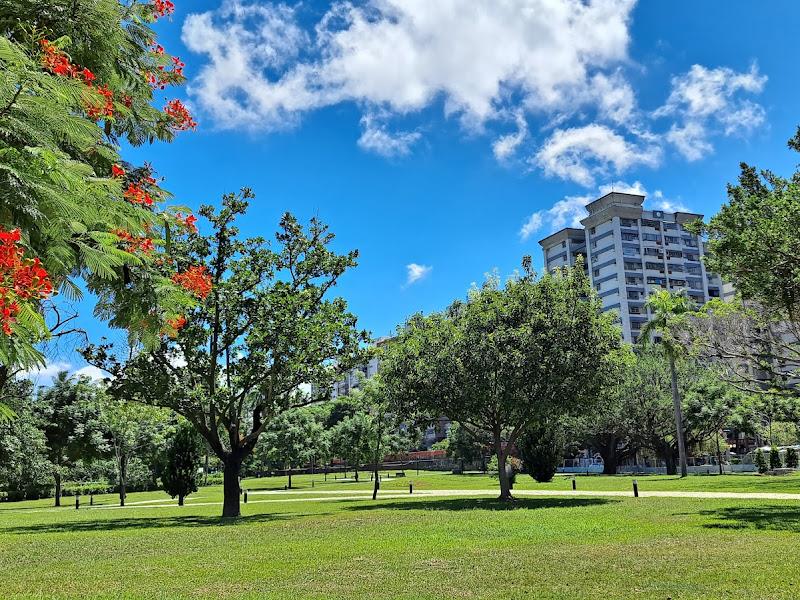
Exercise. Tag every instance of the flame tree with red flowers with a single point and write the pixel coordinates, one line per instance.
(263, 327)
(78, 79)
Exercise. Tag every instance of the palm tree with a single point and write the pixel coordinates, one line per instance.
(668, 308)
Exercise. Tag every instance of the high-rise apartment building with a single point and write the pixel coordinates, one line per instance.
(629, 251)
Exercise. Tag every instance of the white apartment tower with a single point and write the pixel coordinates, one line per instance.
(629, 251)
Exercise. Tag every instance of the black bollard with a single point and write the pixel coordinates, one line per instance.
(245, 496)
(77, 500)
(635, 489)
(573, 484)
(285, 487)
(411, 488)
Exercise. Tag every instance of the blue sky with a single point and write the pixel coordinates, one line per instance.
(443, 139)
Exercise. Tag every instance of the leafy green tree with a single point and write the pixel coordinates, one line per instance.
(181, 462)
(69, 414)
(25, 472)
(504, 358)
(350, 440)
(463, 447)
(775, 458)
(291, 439)
(752, 243)
(609, 428)
(541, 448)
(264, 328)
(669, 310)
(791, 458)
(760, 461)
(133, 430)
(78, 79)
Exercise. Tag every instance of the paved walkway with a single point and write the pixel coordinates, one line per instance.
(337, 495)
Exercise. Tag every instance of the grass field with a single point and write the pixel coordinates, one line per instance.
(412, 546)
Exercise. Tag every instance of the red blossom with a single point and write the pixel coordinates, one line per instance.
(133, 243)
(20, 279)
(179, 117)
(189, 222)
(196, 280)
(162, 8)
(117, 171)
(135, 194)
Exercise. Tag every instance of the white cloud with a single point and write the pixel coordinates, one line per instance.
(376, 138)
(705, 101)
(46, 373)
(504, 146)
(417, 272)
(581, 153)
(482, 58)
(569, 211)
(91, 372)
(659, 202)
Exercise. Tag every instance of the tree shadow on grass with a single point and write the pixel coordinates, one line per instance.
(454, 504)
(144, 523)
(764, 517)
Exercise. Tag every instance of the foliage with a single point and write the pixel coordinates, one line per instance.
(760, 461)
(463, 446)
(77, 80)
(791, 458)
(244, 353)
(514, 466)
(752, 243)
(775, 458)
(291, 439)
(69, 414)
(181, 461)
(135, 432)
(505, 357)
(542, 449)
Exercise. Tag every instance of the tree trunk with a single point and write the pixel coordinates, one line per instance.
(719, 455)
(676, 403)
(230, 486)
(205, 470)
(608, 451)
(376, 486)
(289, 471)
(123, 478)
(180, 499)
(57, 477)
(502, 475)
(669, 459)
(356, 474)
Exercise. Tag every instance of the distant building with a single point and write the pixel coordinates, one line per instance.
(629, 251)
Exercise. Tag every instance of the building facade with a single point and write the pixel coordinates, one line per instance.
(628, 252)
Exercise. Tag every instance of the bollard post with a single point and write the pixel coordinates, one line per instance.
(573, 484)
(77, 500)
(245, 496)
(411, 488)
(285, 487)
(91, 499)
(635, 489)
(312, 484)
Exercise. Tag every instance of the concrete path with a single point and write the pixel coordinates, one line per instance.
(338, 495)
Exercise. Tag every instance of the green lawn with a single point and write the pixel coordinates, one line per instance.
(413, 547)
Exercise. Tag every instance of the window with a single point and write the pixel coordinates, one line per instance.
(693, 270)
(653, 252)
(692, 257)
(651, 237)
(593, 230)
(564, 244)
(674, 254)
(596, 273)
(630, 251)
(675, 269)
(634, 295)
(655, 266)
(627, 222)
(671, 239)
(677, 282)
(635, 310)
(657, 281)
(670, 226)
(633, 280)
(632, 266)
(650, 223)
(631, 237)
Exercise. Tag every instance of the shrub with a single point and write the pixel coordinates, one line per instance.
(791, 458)
(513, 466)
(542, 450)
(775, 458)
(760, 461)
